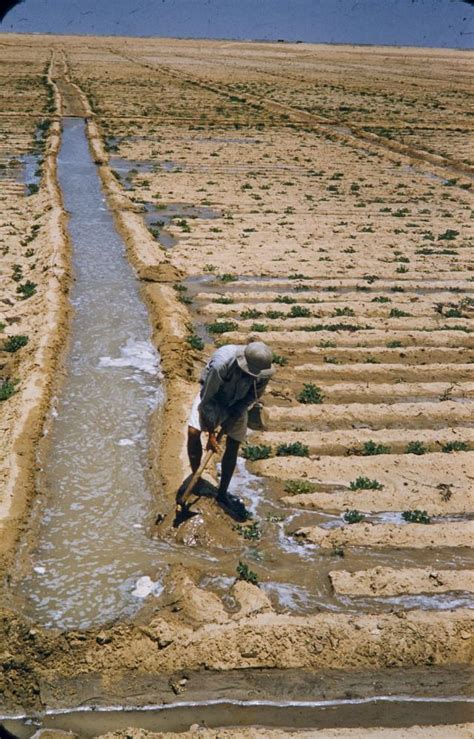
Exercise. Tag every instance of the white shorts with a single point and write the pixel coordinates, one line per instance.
(237, 429)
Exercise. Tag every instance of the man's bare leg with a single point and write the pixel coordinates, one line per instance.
(229, 460)
(194, 448)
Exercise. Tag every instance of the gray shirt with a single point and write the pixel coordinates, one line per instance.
(227, 390)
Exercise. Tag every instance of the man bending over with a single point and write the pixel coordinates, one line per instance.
(233, 379)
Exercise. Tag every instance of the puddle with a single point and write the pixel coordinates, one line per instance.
(159, 217)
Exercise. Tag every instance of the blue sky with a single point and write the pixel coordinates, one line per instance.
(444, 23)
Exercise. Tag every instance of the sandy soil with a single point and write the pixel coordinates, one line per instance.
(463, 731)
(350, 191)
(35, 250)
(387, 581)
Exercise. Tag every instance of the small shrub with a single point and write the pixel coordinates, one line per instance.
(299, 487)
(455, 446)
(26, 290)
(294, 449)
(310, 394)
(195, 342)
(256, 452)
(397, 313)
(227, 277)
(244, 573)
(365, 483)
(221, 327)
(13, 343)
(370, 448)
(32, 188)
(416, 516)
(415, 447)
(353, 516)
(7, 389)
(259, 327)
(394, 344)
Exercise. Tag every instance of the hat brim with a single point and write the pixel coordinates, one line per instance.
(261, 375)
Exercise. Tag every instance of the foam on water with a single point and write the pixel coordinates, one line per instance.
(140, 355)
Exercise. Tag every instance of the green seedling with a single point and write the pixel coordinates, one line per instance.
(251, 313)
(365, 483)
(294, 449)
(416, 516)
(26, 290)
(310, 394)
(251, 532)
(284, 299)
(353, 516)
(256, 452)
(245, 573)
(455, 446)
(346, 311)
(298, 311)
(195, 342)
(274, 314)
(7, 389)
(13, 343)
(370, 448)
(279, 359)
(223, 300)
(415, 447)
(448, 235)
(299, 487)
(397, 313)
(221, 327)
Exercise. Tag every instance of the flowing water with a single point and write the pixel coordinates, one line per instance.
(92, 545)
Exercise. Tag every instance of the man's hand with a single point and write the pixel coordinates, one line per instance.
(212, 443)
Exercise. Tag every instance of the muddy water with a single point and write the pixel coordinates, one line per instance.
(93, 546)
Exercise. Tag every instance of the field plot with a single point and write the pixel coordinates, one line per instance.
(32, 269)
(319, 199)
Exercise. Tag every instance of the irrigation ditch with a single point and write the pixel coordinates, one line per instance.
(107, 610)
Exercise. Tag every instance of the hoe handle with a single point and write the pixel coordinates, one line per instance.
(198, 473)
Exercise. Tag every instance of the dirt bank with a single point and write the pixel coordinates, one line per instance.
(387, 581)
(458, 731)
(44, 316)
(59, 668)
